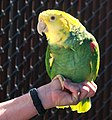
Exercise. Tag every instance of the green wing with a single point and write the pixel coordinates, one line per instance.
(49, 61)
(95, 60)
(86, 50)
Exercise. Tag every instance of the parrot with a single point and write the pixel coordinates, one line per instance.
(72, 52)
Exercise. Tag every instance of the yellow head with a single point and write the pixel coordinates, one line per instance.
(56, 25)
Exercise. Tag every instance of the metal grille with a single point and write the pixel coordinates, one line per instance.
(22, 51)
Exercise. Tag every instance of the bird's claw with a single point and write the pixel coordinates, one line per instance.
(61, 79)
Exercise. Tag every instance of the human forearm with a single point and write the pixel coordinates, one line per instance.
(20, 108)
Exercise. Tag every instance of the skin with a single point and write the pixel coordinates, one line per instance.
(51, 95)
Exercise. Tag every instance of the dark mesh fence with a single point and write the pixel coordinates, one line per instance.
(22, 51)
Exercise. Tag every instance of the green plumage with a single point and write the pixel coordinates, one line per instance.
(75, 60)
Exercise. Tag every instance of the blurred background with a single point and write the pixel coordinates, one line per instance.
(22, 51)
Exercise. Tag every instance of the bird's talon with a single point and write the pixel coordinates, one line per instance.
(61, 79)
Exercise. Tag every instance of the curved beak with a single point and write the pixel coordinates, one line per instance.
(41, 27)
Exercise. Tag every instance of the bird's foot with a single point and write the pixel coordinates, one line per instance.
(61, 79)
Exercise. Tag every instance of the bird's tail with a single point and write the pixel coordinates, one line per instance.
(82, 107)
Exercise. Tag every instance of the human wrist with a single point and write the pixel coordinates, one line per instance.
(45, 96)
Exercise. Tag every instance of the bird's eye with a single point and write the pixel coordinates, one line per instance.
(53, 18)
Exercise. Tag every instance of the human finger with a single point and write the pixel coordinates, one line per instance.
(73, 89)
(94, 85)
(92, 88)
(90, 84)
(84, 92)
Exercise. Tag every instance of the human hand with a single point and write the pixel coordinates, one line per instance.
(52, 94)
(81, 90)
